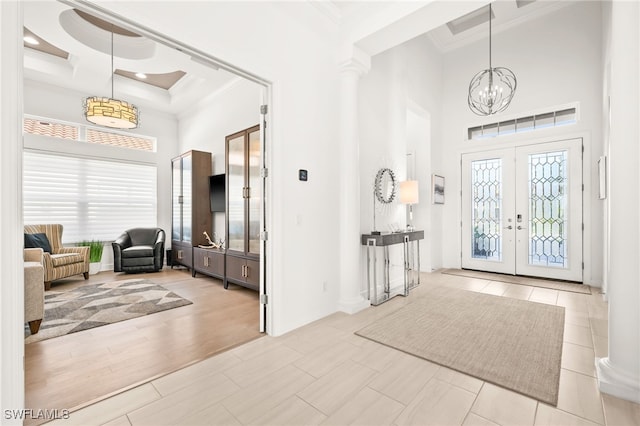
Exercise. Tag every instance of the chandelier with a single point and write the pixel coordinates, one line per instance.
(110, 112)
(491, 90)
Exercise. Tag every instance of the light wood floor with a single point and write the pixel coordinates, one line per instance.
(324, 374)
(78, 368)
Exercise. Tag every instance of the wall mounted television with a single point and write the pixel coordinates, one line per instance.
(217, 185)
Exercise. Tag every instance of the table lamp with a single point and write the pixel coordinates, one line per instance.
(409, 195)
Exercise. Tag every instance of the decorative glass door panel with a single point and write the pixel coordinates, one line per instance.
(487, 226)
(236, 194)
(187, 202)
(486, 182)
(254, 192)
(522, 210)
(549, 205)
(547, 209)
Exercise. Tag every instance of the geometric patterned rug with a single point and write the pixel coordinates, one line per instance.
(94, 305)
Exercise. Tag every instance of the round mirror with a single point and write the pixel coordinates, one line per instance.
(385, 186)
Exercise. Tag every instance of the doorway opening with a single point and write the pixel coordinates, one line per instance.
(189, 335)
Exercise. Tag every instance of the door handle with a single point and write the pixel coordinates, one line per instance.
(520, 228)
(509, 227)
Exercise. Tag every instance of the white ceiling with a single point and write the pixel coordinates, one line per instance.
(88, 69)
(506, 14)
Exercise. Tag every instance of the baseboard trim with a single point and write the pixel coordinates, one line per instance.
(353, 306)
(613, 382)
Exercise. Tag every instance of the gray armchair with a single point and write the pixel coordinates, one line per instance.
(139, 250)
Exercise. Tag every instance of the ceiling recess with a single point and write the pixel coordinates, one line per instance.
(470, 20)
(107, 26)
(43, 45)
(163, 81)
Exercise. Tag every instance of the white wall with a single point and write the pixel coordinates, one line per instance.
(205, 126)
(64, 104)
(11, 233)
(557, 60)
(400, 113)
(606, 136)
(264, 39)
(382, 104)
(425, 92)
(619, 372)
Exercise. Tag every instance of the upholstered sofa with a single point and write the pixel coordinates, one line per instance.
(60, 262)
(33, 288)
(139, 250)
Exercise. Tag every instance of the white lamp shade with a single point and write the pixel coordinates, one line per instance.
(409, 192)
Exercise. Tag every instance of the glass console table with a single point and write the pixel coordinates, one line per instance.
(410, 241)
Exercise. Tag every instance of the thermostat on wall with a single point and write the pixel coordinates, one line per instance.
(303, 175)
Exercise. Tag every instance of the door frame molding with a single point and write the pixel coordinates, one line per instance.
(267, 91)
(11, 102)
(472, 146)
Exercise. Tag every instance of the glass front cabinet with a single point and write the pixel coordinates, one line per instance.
(191, 214)
(243, 155)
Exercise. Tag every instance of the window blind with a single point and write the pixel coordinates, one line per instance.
(92, 199)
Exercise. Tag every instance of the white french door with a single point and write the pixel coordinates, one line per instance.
(522, 210)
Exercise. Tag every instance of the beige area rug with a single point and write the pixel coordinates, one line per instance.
(512, 343)
(95, 305)
(515, 279)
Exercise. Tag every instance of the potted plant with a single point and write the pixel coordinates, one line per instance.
(95, 255)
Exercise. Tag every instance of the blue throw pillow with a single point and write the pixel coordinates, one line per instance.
(37, 241)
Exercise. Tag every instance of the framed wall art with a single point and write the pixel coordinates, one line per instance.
(437, 184)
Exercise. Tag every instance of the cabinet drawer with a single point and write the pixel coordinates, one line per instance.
(182, 254)
(209, 262)
(235, 268)
(252, 274)
(243, 271)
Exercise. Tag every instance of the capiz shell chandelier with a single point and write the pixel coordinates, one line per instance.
(491, 90)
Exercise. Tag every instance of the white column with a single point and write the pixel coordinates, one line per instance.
(619, 372)
(351, 300)
(11, 267)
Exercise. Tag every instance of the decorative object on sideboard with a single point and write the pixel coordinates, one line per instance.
(437, 184)
(491, 90)
(409, 195)
(110, 112)
(218, 244)
(384, 190)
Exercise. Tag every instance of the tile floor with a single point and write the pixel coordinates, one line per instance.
(324, 374)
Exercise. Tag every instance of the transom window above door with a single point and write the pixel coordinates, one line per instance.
(527, 123)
